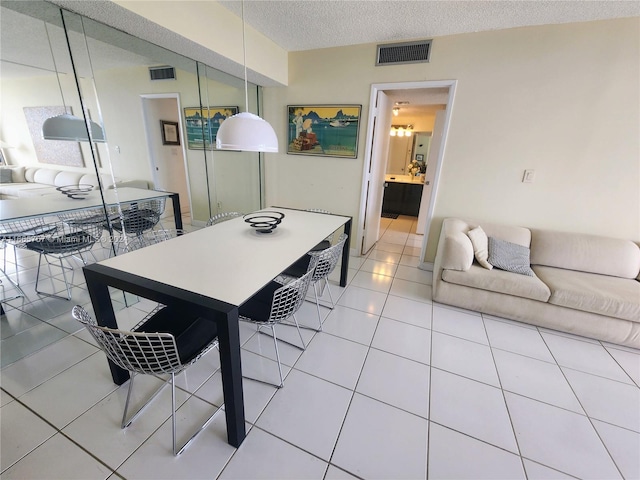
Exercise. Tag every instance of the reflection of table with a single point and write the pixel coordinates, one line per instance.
(210, 272)
(52, 204)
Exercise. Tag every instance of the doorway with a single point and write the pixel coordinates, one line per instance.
(380, 117)
(167, 162)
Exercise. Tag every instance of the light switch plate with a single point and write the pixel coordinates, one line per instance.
(528, 176)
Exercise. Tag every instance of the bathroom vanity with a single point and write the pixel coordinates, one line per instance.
(402, 194)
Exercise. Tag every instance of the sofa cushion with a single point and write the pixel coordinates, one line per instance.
(480, 243)
(6, 176)
(500, 281)
(586, 253)
(46, 176)
(458, 251)
(17, 173)
(509, 256)
(590, 292)
(67, 178)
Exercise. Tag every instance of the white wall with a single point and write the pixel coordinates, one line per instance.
(560, 99)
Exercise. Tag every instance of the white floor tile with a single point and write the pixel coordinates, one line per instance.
(351, 324)
(411, 290)
(408, 311)
(404, 340)
(372, 281)
(624, 447)
(335, 473)
(459, 323)
(584, 356)
(560, 439)
(535, 471)
(463, 357)
(629, 361)
(413, 274)
(465, 405)
(64, 397)
(334, 359)
(307, 412)
(517, 339)
(363, 300)
(454, 455)
(380, 441)
(263, 456)
(21, 432)
(535, 379)
(397, 381)
(607, 400)
(45, 462)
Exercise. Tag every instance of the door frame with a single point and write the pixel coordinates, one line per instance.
(375, 88)
(152, 163)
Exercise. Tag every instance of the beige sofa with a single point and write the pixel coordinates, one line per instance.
(582, 284)
(38, 181)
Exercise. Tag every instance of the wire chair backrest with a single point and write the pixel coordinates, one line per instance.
(222, 217)
(140, 352)
(288, 299)
(328, 259)
(152, 237)
(20, 232)
(139, 217)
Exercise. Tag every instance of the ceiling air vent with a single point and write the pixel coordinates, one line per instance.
(162, 73)
(406, 52)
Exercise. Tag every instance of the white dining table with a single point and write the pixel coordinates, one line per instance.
(210, 273)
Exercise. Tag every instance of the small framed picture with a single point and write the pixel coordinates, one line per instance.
(170, 134)
(419, 157)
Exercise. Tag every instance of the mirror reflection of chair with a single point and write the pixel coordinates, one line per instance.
(69, 237)
(165, 342)
(325, 263)
(274, 304)
(223, 217)
(136, 218)
(152, 237)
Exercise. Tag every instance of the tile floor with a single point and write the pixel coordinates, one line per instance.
(395, 387)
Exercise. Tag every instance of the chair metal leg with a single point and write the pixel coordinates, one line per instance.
(125, 422)
(64, 275)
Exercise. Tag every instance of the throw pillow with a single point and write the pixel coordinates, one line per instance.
(509, 256)
(480, 243)
(5, 175)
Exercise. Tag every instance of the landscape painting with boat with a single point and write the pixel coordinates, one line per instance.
(326, 130)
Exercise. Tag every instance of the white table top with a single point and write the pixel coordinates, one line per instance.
(52, 204)
(229, 261)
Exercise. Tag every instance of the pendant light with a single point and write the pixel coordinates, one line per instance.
(245, 131)
(66, 126)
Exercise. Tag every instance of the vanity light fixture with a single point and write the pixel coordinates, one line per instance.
(245, 131)
(401, 130)
(66, 126)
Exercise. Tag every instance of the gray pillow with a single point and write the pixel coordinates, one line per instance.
(5, 175)
(509, 256)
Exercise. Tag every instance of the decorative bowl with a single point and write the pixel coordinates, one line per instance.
(77, 192)
(265, 221)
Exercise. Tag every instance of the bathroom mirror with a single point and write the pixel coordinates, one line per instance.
(404, 149)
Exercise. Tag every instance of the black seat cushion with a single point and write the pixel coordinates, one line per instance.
(192, 333)
(258, 307)
(299, 267)
(323, 245)
(68, 242)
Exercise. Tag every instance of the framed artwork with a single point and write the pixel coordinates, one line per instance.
(202, 125)
(170, 134)
(419, 157)
(323, 130)
(54, 152)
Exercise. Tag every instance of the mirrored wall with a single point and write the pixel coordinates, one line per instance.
(159, 111)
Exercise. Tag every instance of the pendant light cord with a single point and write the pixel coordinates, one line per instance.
(55, 67)
(244, 61)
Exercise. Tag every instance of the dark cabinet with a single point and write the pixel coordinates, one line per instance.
(402, 198)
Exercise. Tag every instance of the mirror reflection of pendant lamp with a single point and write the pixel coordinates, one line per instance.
(66, 126)
(246, 131)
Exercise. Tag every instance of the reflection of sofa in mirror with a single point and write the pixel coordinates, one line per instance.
(23, 182)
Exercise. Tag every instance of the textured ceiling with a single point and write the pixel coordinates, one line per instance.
(309, 24)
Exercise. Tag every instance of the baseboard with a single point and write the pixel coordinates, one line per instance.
(428, 266)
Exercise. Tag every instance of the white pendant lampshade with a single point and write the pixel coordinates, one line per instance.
(68, 127)
(247, 132)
